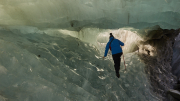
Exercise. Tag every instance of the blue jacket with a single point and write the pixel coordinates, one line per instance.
(115, 46)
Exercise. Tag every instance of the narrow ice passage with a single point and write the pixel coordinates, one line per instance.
(41, 67)
(50, 50)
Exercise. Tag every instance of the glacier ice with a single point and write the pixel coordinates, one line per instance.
(51, 50)
(101, 13)
(41, 67)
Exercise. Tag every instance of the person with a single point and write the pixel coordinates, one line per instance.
(116, 50)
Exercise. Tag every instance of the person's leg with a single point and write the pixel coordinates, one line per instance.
(117, 61)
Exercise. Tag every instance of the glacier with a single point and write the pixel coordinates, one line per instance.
(52, 50)
(44, 67)
(102, 13)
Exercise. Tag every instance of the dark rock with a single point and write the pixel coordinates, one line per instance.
(176, 87)
(156, 52)
(174, 93)
(178, 82)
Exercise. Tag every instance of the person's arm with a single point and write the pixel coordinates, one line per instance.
(106, 50)
(121, 43)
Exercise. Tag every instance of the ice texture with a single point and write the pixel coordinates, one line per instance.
(37, 66)
(99, 13)
(51, 50)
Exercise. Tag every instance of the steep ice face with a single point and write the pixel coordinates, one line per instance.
(36, 66)
(102, 13)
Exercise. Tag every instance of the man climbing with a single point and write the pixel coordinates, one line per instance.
(114, 46)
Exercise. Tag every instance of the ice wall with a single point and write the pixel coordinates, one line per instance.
(76, 14)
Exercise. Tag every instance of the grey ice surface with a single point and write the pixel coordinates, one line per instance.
(39, 67)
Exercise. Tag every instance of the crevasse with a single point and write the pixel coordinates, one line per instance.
(51, 50)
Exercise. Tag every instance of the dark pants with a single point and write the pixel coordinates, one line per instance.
(117, 61)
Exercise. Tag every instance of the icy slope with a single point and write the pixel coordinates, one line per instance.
(39, 67)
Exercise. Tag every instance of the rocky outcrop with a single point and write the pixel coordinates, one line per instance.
(176, 57)
(157, 53)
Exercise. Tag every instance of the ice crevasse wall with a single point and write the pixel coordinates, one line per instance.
(50, 50)
(101, 13)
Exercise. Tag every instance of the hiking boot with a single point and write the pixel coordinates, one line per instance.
(118, 75)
